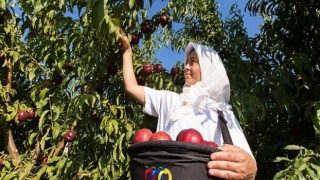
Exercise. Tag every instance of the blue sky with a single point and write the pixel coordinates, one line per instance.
(169, 58)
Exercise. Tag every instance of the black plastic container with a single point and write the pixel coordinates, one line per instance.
(169, 160)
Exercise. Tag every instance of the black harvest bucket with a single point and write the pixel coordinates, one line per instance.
(173, 160)
(169, 160)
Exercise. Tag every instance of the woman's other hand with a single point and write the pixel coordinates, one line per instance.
(232, 163)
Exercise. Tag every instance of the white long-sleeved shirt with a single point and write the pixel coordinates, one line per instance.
(162, 104)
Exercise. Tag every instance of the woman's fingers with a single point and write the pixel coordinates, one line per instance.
(225, 174)
(231, 163)
(227, 154)
(124, 41)
(226, 169)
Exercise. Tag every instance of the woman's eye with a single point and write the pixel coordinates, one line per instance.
(194, 61)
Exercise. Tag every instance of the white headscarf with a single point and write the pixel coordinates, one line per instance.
(212, 92)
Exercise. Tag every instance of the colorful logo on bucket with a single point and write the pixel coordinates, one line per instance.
(157, 173)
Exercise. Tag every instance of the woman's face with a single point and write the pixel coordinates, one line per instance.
(192, 73)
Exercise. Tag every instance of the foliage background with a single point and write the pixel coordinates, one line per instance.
(274, 78)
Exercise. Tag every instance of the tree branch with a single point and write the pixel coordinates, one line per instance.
(11, 146)
(59, 148)
(36, 153)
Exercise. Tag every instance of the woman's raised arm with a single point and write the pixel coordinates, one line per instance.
(129, 78)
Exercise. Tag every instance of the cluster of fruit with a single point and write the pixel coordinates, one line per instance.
(146, 28)
(24, 115)
(187, 135)
(149, 68)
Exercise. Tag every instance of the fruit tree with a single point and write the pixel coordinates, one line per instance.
(64, 113)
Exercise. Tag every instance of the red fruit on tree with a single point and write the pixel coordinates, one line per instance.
(160, 136)
(22, 115)
(69, 66)
(158, 68)
(210, 143)
(31, 114)
(70, 136)
(146, 27)
(1, 164)
(190, 135)
(135, 38)
(163, 20)
(140, 80)
(44, 159)
(147, 69)
(174, 71)
(142, 135)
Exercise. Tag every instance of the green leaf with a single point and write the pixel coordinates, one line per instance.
(311, 173)
(41, 120)
(129, 131)
(122, 157)
(11, 175)
(15, 56)
(40, 172)
(98, 10)
(294, 147)
(56, 130)
(131, 3)
(31, 74)
(43, 139)
(56, 112)
(115, 125)
(43, 93)
(279, 159)
(300, 175)
(31, 138)
(60, 165)
(110, 128)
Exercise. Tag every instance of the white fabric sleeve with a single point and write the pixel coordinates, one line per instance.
(158, 102)
(151, 102)
(238, 136)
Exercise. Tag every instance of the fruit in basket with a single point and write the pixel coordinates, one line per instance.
(190, 135)
(142, 135)
(180, 134)
(210, 143)
(160, 136)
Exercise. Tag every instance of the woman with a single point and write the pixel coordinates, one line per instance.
(206, 91)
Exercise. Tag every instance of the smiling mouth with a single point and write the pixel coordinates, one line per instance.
(187, 75)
